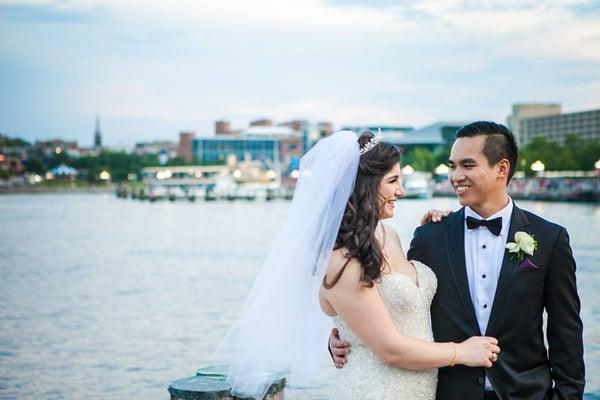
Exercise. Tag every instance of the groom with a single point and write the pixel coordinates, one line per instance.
(483, 289)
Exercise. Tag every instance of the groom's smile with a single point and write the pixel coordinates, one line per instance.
(461, 189)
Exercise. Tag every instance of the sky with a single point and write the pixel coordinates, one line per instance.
(151, 69)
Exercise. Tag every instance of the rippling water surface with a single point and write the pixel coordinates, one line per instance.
(108, 298)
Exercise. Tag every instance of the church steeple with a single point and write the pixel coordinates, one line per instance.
(97, 134)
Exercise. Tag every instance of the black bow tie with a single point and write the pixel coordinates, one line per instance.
(494, 225)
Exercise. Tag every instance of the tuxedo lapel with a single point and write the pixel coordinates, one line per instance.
(518, 222)
(454, 240)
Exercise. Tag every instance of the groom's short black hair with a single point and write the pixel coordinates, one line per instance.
(499, 142)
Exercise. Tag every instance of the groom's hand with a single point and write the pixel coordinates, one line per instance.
(434, 216)
(338, 349)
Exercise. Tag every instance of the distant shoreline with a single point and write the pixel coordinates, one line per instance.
(112, 189)
(62, 189)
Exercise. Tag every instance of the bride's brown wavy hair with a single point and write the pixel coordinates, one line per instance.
(362, 213)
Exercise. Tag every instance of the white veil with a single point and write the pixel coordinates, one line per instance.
(282, 329)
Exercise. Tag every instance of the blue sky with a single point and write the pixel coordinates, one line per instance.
(154, 68)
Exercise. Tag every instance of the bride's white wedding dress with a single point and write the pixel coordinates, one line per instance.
(367, 377)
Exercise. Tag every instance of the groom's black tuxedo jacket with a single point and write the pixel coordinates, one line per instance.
(525, 368)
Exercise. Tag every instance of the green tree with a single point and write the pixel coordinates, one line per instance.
(58, 159)
(178, 161)
(35, 166)
(589, 155)
(421, 159)
(540, 149)
(6, 141)
(574, 154)
(584, 154)
(441, 155)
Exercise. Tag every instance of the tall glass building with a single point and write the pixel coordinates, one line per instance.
(216, 149)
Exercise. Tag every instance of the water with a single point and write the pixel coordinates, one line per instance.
(109, 298)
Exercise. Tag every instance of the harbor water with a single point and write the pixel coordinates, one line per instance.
(109, 298)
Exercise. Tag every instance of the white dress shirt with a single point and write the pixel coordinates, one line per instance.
(484, 253)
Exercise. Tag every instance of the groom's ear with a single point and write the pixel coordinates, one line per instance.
(503, 168)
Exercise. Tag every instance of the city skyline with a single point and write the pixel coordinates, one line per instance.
(152, 71)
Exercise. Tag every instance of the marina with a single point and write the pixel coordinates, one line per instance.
(250, 181)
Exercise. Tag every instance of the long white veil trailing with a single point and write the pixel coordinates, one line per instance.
(282, 329)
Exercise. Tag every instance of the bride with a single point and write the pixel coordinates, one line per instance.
(333, 258)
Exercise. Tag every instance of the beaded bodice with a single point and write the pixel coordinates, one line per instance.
(367, 377)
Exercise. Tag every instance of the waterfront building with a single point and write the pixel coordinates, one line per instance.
(274, 145)
(12, 163)
(162, 148)
(182, 175)
(406, 137)
(528, 110)
(268, 148)
(584, 124)
(185, 149)
(88, 151)
(48, 148)
(309, 132)
(325, 129)
(62, 172)
(13, 155)
(247, 180)
(215, 150)
(441, 133)
(297, 125)
(278, 145)
(262, 122)
(385, 129)
(222, 127)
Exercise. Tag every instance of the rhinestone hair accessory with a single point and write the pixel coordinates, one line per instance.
(372, 142)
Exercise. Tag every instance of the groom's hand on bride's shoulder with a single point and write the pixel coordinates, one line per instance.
(434, 216)
(338, 349)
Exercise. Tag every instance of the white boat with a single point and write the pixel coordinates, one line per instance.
(418, 186)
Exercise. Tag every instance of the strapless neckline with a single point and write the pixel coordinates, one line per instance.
(416, 284)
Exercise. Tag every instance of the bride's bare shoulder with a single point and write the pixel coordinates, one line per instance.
(351, 268)
(393, 234)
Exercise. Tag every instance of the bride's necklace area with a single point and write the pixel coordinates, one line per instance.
(386, 257)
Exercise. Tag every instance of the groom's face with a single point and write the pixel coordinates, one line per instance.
(472, 178)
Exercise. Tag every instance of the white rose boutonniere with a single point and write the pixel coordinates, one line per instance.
(524, 244)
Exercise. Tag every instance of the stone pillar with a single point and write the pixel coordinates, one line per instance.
(210, 383)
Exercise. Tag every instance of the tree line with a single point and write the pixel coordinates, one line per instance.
(574, 154)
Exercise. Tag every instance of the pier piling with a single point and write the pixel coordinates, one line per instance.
(210, 383)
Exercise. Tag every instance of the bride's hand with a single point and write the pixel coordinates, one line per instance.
(477, 351)
(434, 215)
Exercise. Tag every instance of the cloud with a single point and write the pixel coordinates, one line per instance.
(187, 63)
(585, 9)
(52, 13)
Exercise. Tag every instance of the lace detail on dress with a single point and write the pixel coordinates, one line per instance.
(367, 377)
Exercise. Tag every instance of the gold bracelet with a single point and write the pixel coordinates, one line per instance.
(453, 360)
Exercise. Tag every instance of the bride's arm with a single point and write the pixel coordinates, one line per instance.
(365, 313)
